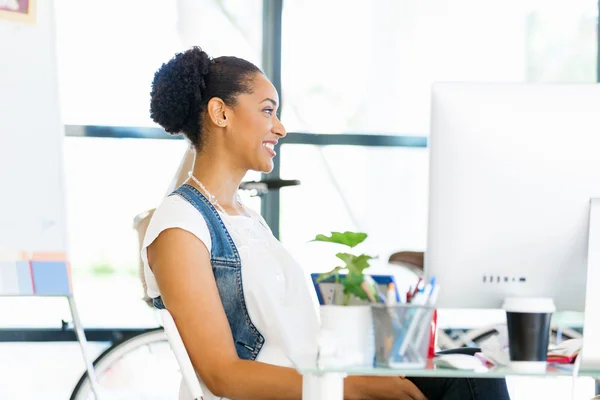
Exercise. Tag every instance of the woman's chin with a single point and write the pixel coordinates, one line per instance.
(267, 169)
(266, 166)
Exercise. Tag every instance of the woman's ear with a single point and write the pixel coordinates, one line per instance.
(216, 112)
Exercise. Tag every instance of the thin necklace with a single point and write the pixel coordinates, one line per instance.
(211, 198)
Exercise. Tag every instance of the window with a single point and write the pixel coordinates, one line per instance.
(108, 183)
(377, 81)
(108, 50)
(377, 78)
(380, 191)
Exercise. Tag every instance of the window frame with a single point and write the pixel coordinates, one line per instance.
(272, 65)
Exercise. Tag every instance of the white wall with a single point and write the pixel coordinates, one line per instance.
(32, 211)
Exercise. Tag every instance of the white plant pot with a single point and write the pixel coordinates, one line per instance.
(346, 337)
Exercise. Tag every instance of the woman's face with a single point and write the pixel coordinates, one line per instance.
(254, 126)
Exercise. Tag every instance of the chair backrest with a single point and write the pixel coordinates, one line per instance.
(141, 221)
(141, 224)
(183, 359)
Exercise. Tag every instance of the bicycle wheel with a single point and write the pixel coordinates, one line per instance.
(141, 367)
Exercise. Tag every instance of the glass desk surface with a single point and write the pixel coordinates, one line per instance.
(430, 370)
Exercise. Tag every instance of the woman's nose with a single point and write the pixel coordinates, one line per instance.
(279, 129)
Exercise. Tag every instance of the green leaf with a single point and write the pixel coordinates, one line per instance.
(355, 264)
(352, 286)
(324, 276)
(351, 279)
(350, 239)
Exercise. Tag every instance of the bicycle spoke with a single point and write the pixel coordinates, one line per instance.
(142, 368)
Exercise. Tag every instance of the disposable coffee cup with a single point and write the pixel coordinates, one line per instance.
(528, 321)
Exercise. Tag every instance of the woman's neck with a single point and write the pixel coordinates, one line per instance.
(220, 177)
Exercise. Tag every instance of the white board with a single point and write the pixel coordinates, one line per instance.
(32, 200)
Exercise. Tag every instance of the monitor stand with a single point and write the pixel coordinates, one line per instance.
(590, 352)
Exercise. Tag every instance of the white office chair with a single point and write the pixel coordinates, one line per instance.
(183, 359)
(140, 224)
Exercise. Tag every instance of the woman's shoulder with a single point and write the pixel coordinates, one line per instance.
(176, 212)
(175, 205)
(174, 209)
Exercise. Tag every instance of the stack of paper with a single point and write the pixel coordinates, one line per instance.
(38, 274)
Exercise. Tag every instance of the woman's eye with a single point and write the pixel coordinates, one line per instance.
(268, 111)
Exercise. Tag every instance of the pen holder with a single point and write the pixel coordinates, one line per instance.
(402, 334)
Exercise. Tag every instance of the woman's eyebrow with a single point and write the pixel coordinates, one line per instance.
(271, 101)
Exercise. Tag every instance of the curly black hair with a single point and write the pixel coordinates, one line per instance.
(183, 86)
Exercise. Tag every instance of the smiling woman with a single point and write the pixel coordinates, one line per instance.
(233, 290)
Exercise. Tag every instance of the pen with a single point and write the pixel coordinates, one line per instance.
(391, 294)
(390, 302)
(424, 293)
(431, 285)
(419, 299)
(417, 287)
(434, 295)
(365, 286)
(428, 290)
(375, 288)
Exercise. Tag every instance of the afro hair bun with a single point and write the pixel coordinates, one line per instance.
(177, 91)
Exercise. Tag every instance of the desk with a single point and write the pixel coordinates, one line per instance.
(328, 384)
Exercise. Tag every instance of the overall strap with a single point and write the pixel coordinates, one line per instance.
(223, 249)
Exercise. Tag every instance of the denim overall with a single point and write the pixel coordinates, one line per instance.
(227, 268)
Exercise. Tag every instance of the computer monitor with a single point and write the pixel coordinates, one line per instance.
(512, 170)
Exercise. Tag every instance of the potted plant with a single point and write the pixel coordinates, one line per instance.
(346, 334)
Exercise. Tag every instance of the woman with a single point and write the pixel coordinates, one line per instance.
(237, 297)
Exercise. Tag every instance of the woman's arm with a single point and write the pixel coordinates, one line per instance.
(181, 265)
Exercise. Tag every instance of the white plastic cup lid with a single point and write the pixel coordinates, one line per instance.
(533, 305)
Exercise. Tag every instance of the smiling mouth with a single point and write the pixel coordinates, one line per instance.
(270, 147)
